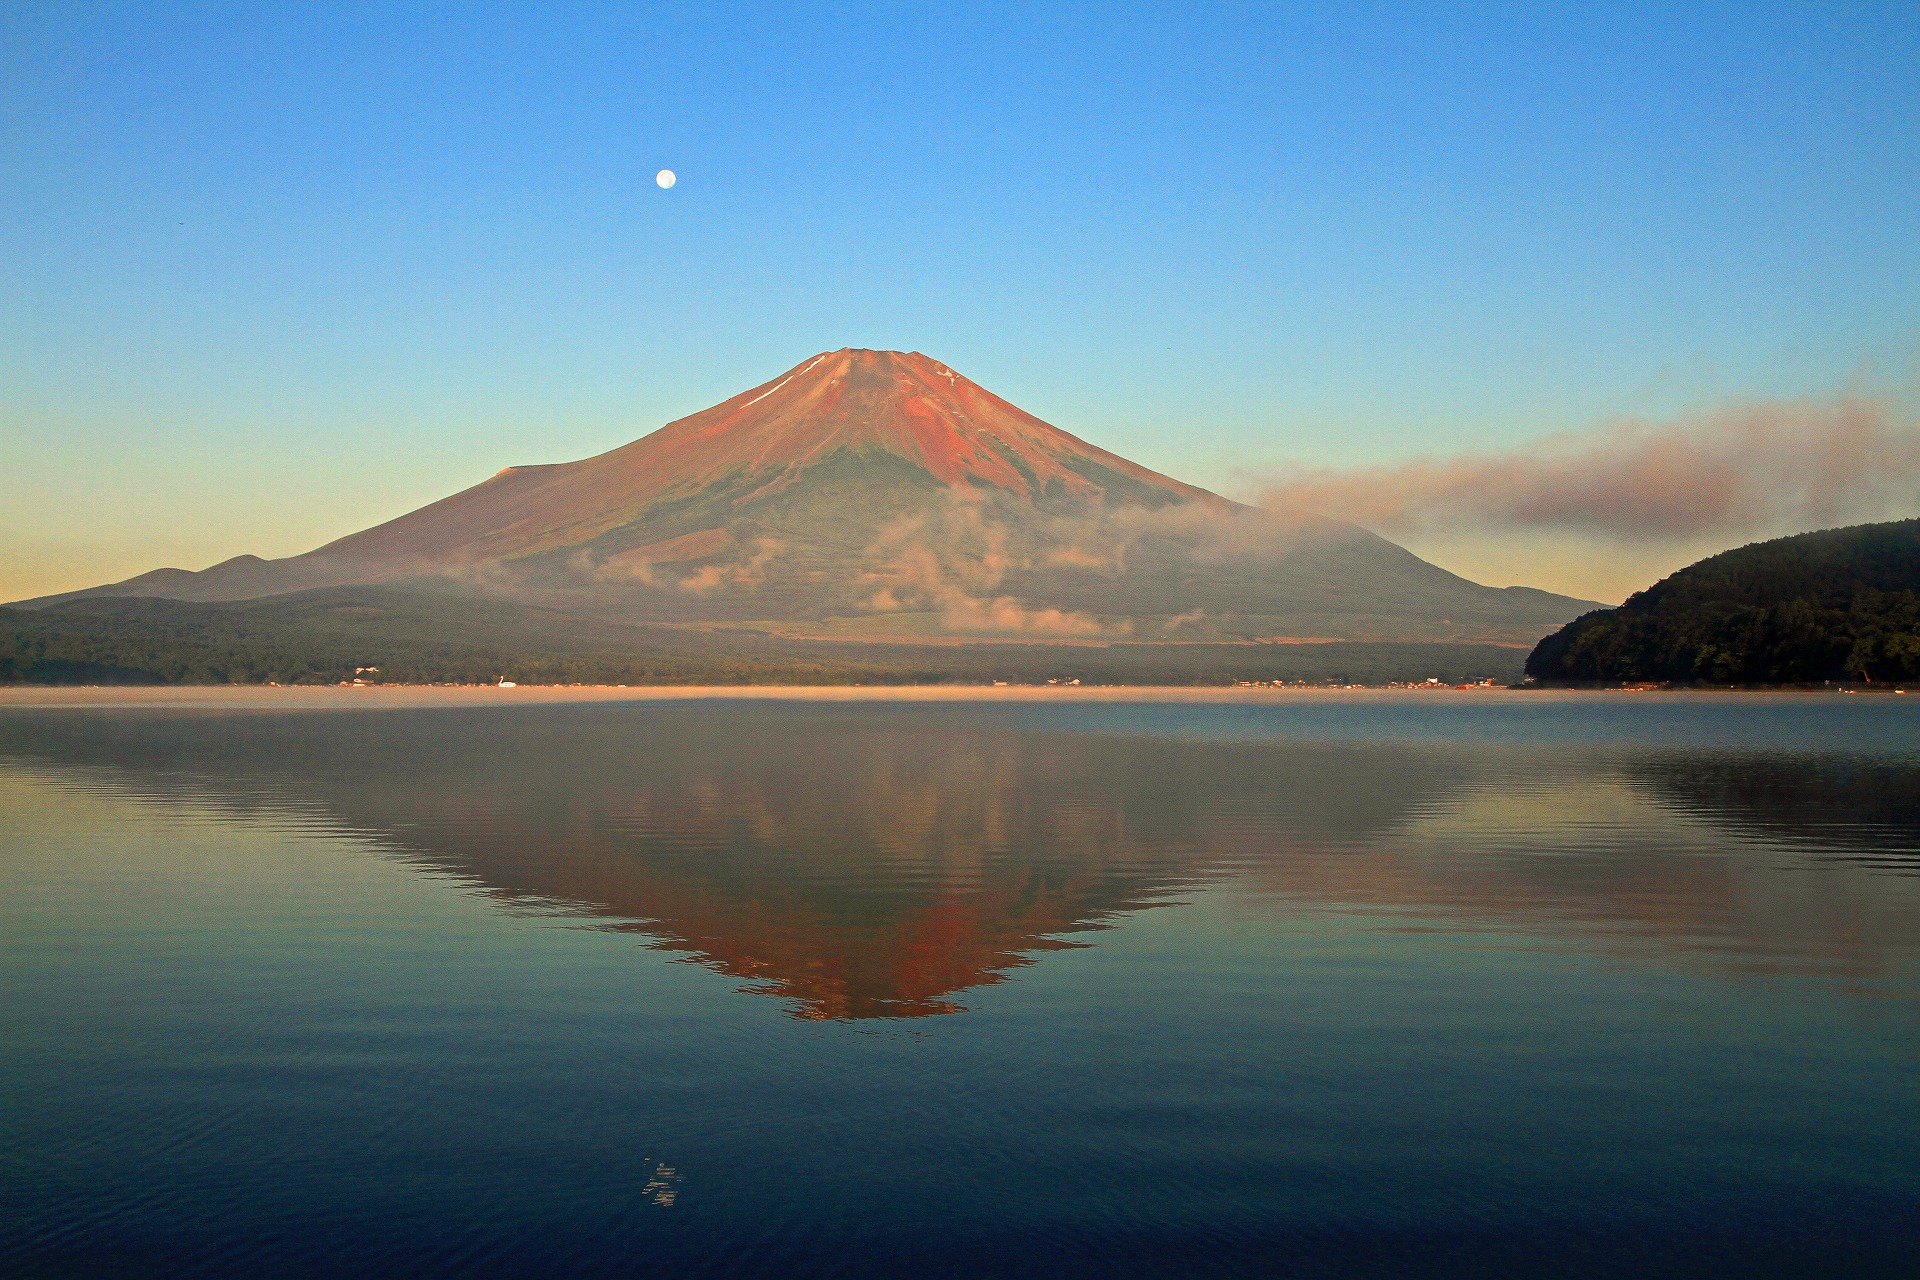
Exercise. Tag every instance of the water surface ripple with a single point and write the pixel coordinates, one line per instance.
(1312, 987)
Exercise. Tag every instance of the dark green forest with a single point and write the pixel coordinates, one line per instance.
(420, 636)
(1838, 605)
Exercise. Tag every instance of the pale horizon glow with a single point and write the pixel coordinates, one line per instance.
(278, 275)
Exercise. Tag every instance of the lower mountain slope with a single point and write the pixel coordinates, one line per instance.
(430, 633)
(1837, 605)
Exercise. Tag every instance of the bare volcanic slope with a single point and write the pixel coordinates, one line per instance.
(882, 494)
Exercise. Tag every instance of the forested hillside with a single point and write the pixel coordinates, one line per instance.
(420, 636)
(1839, 605)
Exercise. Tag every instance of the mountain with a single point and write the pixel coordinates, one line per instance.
(881, 495)
(1840, 604)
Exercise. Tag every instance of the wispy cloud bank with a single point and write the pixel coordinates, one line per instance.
(749, 572)
(1753, 469)
(956, 567)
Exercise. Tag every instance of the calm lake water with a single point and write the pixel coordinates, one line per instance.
(1361, 986)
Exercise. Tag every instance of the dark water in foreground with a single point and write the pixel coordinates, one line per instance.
(1401, 987)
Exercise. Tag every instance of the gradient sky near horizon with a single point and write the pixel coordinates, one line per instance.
(273, 273)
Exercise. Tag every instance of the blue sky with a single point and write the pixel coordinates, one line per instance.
(270, 273)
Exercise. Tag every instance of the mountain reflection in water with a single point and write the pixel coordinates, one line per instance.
(881, 861)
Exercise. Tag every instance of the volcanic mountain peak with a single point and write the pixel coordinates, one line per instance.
(899, 403)
(884, 491)
(851, 407)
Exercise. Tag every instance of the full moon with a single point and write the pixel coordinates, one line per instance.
(665, 178)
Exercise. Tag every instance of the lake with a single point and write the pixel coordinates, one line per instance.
(1457, 984)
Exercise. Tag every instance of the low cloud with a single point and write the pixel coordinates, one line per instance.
(953, 564)
(582, 564)
(489, 576)
(1754, 469)
(747, 573)
(961, 612)
(1207, 533)
(1072, 557)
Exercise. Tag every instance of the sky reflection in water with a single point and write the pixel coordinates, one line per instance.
(1371, 985)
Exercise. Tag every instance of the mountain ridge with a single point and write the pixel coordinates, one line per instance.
(852, 399)
(886, 493)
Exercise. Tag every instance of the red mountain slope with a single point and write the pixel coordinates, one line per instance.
(876, 492)
(760, 442)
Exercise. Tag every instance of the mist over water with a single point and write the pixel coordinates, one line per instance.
(1365, 986)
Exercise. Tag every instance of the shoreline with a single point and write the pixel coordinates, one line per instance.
(376, 697)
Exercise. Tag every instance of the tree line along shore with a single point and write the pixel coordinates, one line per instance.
(389, 636)
(1837, 607)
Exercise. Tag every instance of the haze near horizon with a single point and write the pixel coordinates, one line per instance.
(277, 277)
